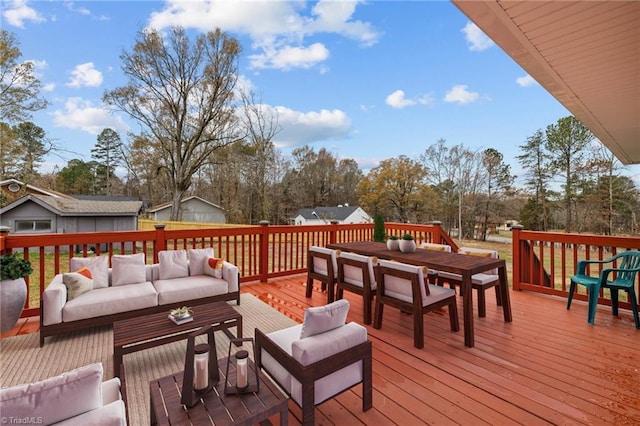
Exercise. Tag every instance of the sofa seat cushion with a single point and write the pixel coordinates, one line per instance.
(111, 300)
(188, 288)
(113, 414)
(56, 398)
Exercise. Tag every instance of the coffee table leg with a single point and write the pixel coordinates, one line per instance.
(117, 361)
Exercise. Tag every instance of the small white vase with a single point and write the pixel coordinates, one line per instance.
(407, 246)
(393, 244)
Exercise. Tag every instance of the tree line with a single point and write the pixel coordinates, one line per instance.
(203, 135)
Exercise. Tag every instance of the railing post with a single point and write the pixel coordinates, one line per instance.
(4, 232)
(333, 232)
(160, 242)
(264, 251)
(437, 232)
(516, 257)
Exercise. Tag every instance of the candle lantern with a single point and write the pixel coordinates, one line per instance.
(200, 367)
(242, 374)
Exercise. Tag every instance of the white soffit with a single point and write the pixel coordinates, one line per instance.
(585, 53)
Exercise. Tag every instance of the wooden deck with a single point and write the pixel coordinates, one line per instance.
(546, 367)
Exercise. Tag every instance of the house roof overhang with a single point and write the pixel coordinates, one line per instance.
(584, 53)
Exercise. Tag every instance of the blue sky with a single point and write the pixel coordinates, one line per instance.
(366, 80)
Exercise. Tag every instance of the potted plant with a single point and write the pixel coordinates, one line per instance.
(407, 244)
(13, 289)
(392, 242)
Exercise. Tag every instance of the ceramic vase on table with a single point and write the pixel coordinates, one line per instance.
(392, 244)
(407, 246)
(13, 294)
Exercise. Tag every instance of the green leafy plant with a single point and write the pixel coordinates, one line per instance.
(378, 228)
(181, 312)
(407, 237)
(393, 237)
(13, 267)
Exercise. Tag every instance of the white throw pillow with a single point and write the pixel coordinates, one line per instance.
(57, 398)
(324, 318)
(76, 284)
(128, 269)
(197, 258)
(213, 266)
(99, 267)
(173, 264)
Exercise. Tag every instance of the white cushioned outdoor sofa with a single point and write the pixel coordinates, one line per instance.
(93, 294)
(76, 397)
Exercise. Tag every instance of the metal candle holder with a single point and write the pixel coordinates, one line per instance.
(240, 357)
(190, 395)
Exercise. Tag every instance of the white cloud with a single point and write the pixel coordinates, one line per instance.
(460, 94)
(48, 87)
(301, 128)
(526, 81)
(72, 7)
(277, 28)
(290, 57)
(81, 114)
(16, 12)
(398, 100)
(85, 75)
(478, 41)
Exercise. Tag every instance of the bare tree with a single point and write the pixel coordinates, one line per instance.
(181, 93)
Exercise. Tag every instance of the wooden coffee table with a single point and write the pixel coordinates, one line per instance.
(216, 407)
(148, 331)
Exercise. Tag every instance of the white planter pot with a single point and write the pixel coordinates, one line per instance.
(407, 246)
(393, 244)
(13, 294)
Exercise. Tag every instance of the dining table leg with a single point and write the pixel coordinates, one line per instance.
(467, 309)
(504, 293)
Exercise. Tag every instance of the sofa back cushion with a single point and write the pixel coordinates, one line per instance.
(173, 264)
(98, 265)
(197, 258)
(57, 398)
(128, 269)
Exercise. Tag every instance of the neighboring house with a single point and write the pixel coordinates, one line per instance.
(13, 189)
(324, 215)
(34, 213)
(192, 209)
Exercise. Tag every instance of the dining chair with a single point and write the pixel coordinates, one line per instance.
(322, 265)
(356, 274)
(433, 274)
(480, 282)
(621, 275)
(403, 286)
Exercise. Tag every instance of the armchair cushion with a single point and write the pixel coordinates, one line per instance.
(57, 398)
(324, 318)
(98, 265)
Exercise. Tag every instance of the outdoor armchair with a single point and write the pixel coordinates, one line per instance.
(322, 265)
(319, 359)
(356, 274)
(620, 276)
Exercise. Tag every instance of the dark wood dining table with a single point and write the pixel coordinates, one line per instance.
(463, 265)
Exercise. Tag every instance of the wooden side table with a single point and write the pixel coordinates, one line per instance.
(216, 407)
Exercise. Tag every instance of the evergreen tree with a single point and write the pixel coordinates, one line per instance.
(108, 153)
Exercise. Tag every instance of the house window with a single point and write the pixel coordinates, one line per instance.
(33, 226)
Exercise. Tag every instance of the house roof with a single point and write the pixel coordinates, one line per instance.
(10, 183)
(327, 213)
(184, 200)
(586, 54)
(73, 207)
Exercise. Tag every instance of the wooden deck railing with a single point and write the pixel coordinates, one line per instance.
(542, 261)
(545, 261)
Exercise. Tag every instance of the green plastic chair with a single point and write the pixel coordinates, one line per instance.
(623, 278)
